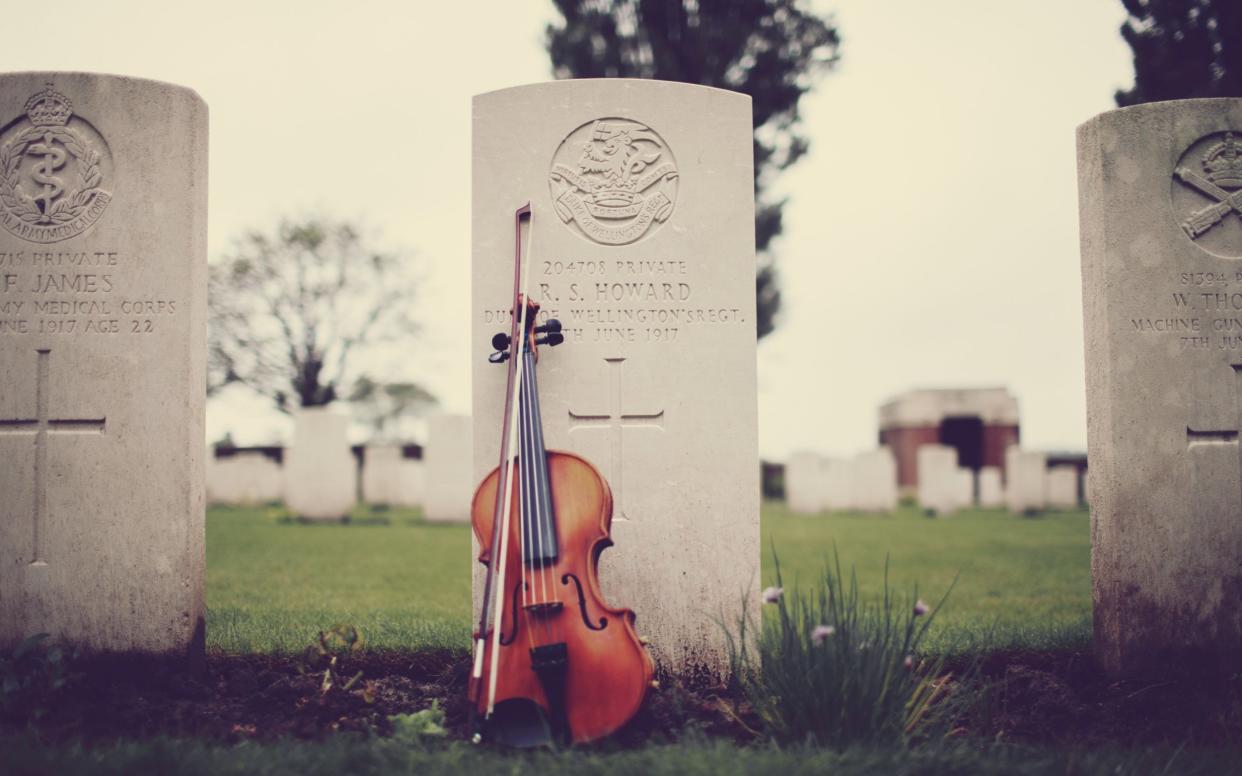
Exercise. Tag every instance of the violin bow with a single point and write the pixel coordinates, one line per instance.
(494, 580)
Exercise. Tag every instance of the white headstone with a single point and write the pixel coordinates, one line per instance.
(1062, 487)
(939, 482)
(963, 488)
(388, 477)
(244, 478)
(804, 483)
(991, 491)
(875, 481)
(647, 256)
(1161, 227)
(838, 484)
(1025, 484)
(103, 206)
(449, 469)
(321, 474)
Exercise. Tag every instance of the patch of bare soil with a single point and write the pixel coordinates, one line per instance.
(265, 697)
(1064, 698)
(1060, 698)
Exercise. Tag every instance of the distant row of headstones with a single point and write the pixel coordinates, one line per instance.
(867, 482)
(320, 477)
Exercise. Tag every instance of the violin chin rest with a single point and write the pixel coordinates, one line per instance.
(519, 723)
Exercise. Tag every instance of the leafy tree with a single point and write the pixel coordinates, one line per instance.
(380, 405)
(289, 309)
(1183, 48)
(771, 50)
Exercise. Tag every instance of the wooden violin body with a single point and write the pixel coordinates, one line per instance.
(607, 670)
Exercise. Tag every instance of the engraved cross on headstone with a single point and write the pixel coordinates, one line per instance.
(40, 426)
(1195, 437)
(616, 419)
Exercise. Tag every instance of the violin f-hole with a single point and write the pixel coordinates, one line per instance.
(603, 621)
(513, 634)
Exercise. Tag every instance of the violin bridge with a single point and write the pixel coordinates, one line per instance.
(544, 608)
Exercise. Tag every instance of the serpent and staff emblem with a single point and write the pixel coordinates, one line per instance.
(52, 170)
(614, 179)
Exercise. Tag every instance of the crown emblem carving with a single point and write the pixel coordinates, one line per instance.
(53, 169)
(615, 179)
(49, 108)
(1216, 175)
(613, 154)
(1223, 163)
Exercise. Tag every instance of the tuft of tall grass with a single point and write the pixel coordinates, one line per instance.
(830, 668)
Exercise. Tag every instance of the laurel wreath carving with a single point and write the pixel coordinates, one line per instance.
(65, 209)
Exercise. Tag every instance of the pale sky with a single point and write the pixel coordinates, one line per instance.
(931, 237)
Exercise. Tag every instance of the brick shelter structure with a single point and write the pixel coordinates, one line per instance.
(978, 422)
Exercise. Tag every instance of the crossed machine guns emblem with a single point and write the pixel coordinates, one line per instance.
(1221, 182)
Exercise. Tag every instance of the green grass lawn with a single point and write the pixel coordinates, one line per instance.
(1021, 582)
(272, 583)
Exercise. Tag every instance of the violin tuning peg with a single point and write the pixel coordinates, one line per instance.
(551, 327)
(499, 357)
(551, 340)
(500, 341)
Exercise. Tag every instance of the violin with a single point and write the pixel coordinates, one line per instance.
(554, 664)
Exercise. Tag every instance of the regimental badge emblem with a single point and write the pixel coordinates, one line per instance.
(614, 180)
(53, 169)
(1207, 194)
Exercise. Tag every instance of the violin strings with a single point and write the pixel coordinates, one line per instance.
(544, 515)
(530, 405)
(528, 514)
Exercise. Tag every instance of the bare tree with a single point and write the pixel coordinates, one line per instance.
(291, 310)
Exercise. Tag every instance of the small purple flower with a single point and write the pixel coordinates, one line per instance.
(772, 594)
(920, 608)
(821, 633)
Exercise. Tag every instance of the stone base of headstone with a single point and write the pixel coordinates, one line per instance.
(320, 470)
